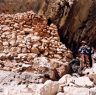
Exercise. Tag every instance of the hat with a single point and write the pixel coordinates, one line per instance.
(83, 42)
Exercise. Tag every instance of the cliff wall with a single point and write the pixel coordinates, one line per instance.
(75, 18)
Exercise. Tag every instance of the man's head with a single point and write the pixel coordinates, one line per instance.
(83, 42)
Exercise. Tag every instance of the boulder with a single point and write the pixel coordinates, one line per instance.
(60, 93)
(84, 82)
(92, 77)
(93, 91)
(41, 62)
(62, 70)
(54, 63)
(90, 70)
(94, 67)
(76, 91)
(64, 79)
(49, 88)
(53, 74)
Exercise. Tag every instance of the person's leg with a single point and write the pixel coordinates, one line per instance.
(82, 60)
(87, 60)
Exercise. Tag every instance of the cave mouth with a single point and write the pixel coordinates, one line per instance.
(73, 46)
(73, 41)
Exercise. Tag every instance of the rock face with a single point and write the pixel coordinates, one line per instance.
(74, 24)
(79, 24)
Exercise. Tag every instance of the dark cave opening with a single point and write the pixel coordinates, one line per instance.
(73, 46)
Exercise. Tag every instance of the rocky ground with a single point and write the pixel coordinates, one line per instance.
(12, 83)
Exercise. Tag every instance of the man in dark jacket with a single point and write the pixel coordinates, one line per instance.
(85, 53)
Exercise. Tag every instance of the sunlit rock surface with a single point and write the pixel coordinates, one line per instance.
(75, 18)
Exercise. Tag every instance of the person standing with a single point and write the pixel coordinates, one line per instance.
(85, 54)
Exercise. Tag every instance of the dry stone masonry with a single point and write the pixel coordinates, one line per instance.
(24, 36)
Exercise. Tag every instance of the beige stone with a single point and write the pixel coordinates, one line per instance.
(35, 50)
(22, 45)
(2, 56)
(6, 28)
(22, 32)
(14, 35)
(13, 49)
(13, 42)
(49, 88)
(60, 93)
(57, 56)
(1, 46)
(19, 50)
(3, 36)
(83, 81)
(62, 70)
(92, 77)
(76, 91)
(16, 25)
(28, 30)
(24, 50)
(53, 74)
(6, 50)
(33, 55)
(5, 43)
(64, 79)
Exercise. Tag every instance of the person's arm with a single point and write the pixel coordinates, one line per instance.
(80, 49)
(92, 50)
